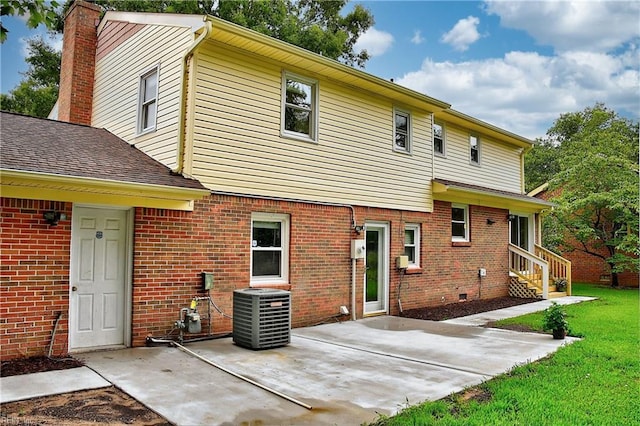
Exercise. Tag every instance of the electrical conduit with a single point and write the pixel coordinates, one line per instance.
(239, 376)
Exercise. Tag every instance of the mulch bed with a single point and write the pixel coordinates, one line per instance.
(36, 365)
(462, 309)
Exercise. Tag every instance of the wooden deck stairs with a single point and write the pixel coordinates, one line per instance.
(537, 275)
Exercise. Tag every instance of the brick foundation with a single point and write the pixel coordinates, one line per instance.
(172, 248)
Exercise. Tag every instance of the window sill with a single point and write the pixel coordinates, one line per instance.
(298, 137)
(402, 151)
(460, 243)
(413, 271)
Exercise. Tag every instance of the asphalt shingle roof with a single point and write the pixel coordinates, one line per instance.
(65, 149)
(482, 189)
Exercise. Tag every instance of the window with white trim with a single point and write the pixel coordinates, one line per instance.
(459, 222)
(269, 248)
(438, 138)
(474, 149)
(401, 131)
(299, 107)
(148, 100)
(412, 243)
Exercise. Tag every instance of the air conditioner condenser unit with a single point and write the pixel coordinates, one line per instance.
(261, 318)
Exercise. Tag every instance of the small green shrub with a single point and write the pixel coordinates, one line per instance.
(555, 318)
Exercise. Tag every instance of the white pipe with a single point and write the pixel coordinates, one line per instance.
(353, 289)
(261, 386)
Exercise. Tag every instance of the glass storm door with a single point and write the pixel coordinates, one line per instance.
(376, 269)
(520, 232)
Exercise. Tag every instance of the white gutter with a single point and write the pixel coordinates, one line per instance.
(183, 108)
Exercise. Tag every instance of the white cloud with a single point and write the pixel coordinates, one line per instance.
(463, 34)
(525, 92)
(572, 25)
(375, 42)
(417, 37)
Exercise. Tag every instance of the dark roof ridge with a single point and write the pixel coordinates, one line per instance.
(51, 119)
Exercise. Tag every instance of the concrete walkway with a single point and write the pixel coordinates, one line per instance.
(515, 311)
(348, 372)
(16, 388)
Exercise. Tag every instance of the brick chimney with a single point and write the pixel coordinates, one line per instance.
(77, 70)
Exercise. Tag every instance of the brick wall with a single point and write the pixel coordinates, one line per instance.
(78, 63)
(172, 248)
(34, 271)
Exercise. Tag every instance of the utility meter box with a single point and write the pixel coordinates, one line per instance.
(482, 272)
(402, 262)
(358, 249)
(207, 280)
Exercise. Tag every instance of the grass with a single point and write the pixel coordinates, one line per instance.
(595, 381)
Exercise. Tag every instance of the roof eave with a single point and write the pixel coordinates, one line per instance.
(37, 185)
(355, 77)
(458, 194)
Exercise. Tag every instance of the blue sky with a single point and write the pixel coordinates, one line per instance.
(515, 64)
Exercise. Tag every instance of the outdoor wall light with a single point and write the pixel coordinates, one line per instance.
(511, 217)
(358, 228)
(490, 221)
(53, 217)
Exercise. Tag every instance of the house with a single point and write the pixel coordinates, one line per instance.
(585, 267)
(348, 190)
(67, 218)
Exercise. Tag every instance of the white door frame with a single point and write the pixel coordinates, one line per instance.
(383, 258)
(128, 281)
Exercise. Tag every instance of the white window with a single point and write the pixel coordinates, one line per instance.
(474, 149)
(148, 101)
(412, 243)
(269, 248)
(459, 222)
(299, 107)
(401, 131)
(438, 138)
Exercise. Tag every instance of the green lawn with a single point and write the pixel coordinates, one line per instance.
(595, 381)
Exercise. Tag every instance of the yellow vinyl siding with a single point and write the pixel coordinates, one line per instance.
(115, 102)
(237, 145)
(499, 163)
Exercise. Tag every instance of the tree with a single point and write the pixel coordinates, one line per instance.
(541, 163)
(314, 25)
(38, 11)
(597, 186)
(37, 93)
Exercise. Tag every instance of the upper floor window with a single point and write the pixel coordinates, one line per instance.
(474, 149)
(412, 243)
(148, 101)
(269, 248)
(459, 222)
(401, 131)
(438, 138)
(299, 107)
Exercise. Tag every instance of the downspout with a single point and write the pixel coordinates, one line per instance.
(522, 154)
(208, 26)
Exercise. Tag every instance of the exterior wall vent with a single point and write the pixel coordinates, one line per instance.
(261, 318)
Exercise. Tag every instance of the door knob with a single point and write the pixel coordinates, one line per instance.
(74, 288)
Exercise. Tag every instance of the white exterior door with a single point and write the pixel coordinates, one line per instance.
(376, 280)
(97, 278)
